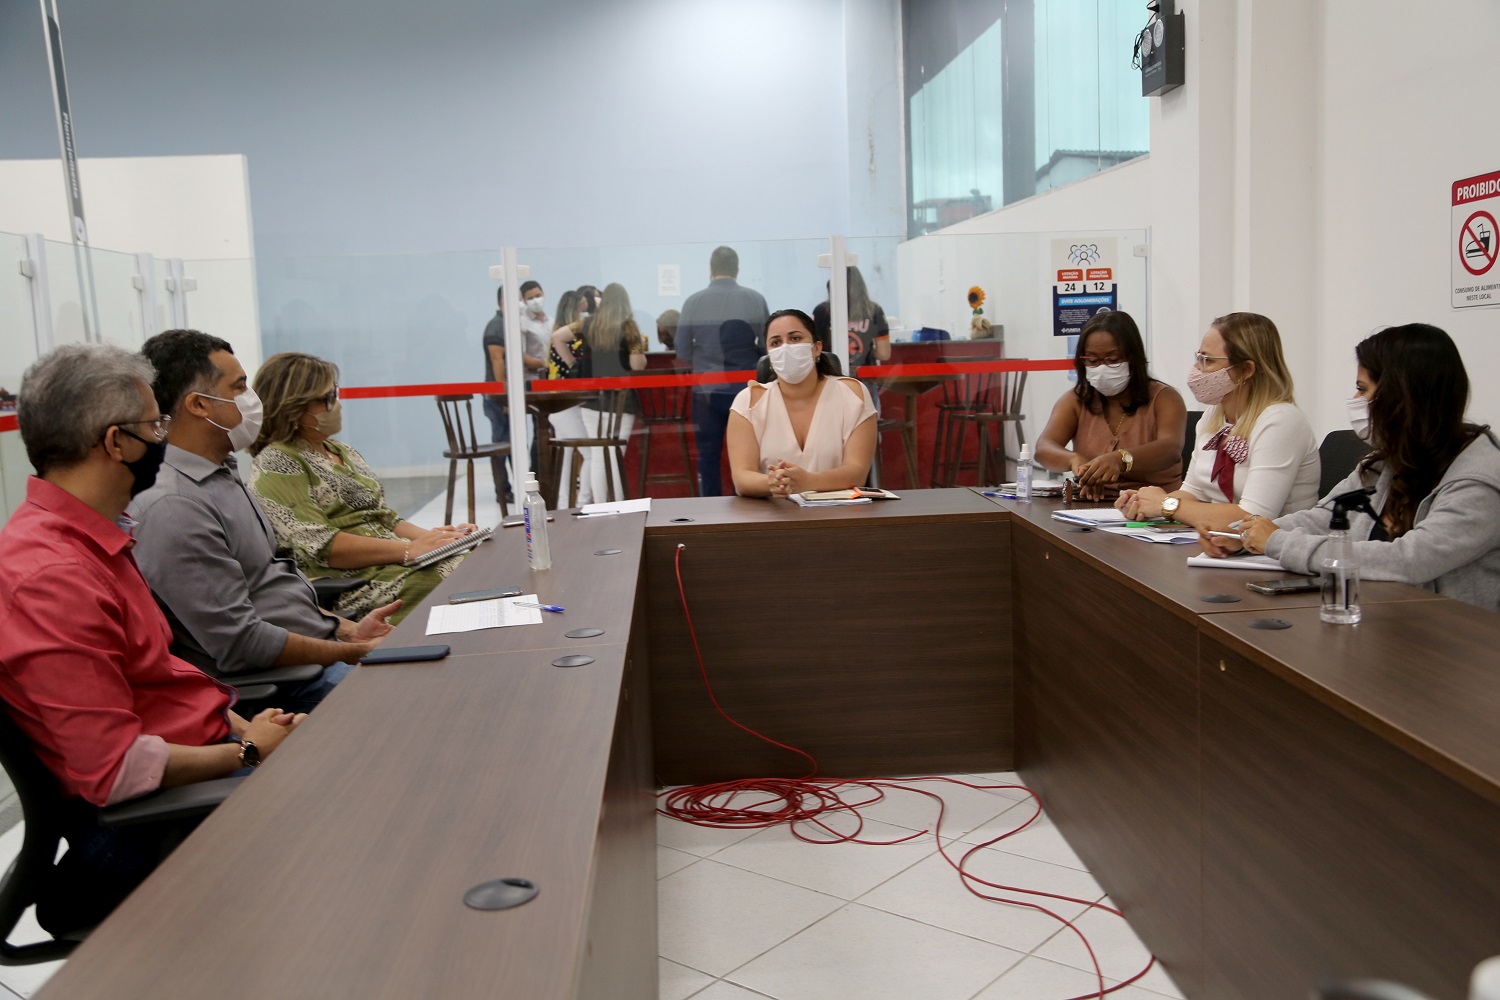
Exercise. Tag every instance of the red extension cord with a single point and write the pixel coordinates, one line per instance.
(805, 800)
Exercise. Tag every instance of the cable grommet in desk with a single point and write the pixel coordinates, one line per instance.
(683, 520)
(1220, 598)
(583, 633)
(501, 894)
(1270, 624)
(572, 660)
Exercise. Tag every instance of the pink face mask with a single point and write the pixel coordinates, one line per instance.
(1210, 388)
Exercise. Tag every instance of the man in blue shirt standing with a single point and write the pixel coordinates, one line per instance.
(722, 329)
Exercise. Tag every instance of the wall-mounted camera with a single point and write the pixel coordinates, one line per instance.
(1159, 50)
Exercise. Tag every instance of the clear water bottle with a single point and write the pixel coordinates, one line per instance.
(535, 511)
(1340, 579)
(1023, 474)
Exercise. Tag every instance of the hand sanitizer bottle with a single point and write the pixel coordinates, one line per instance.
(535, 510)
(1340, 569)
(1023, 474)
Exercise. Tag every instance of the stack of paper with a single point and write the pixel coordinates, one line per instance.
(1091, 517)
(444, 618)
(801, 501)
(1182, 537)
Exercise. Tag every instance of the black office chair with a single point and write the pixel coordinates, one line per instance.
(1340, 452)
(1190, 438)
(1366, 989)
(49, 817)
(330, 590)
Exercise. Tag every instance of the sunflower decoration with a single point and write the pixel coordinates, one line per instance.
(976, 300)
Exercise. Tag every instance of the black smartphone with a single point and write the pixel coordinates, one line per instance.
(1285, 586)
(405, 654)
(471, 596)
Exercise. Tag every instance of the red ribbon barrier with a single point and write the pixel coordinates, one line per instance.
(646, 381)
(8, 423)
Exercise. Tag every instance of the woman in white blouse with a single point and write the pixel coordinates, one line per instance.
(1255, 452)
(807, 430)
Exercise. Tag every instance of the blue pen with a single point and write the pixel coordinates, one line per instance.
(555, 608)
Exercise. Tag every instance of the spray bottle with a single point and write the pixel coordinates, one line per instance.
(1340, 569)
(1023, 474)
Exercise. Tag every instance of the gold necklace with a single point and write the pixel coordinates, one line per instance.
(1114, 429)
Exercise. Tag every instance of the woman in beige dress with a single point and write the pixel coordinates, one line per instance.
(808, 429)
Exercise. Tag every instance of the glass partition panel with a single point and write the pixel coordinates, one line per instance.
(17, 352)
(64, 267)
(225, 304)
(118, 300)
(1036, 289)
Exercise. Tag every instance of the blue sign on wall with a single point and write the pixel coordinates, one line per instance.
(1070, 312)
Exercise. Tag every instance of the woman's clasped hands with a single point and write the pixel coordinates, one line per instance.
(784, 478)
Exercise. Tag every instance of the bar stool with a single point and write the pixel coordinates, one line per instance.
(1008, 394)
(463, 446)
(665, 408)
(962, 400)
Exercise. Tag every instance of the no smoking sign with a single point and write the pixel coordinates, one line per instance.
(1476, 242)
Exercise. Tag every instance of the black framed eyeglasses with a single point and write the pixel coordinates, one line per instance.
(1092, 362)
(332, 397)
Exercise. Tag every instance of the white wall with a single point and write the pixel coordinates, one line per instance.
(192, 207)
(1304, 172)
(1403, 117)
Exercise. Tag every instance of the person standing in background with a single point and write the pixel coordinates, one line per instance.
(721, 328)
(869, 333)
(537, 327)
(666, 329)
(494, 405)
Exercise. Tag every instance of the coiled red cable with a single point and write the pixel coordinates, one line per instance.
(790, 801)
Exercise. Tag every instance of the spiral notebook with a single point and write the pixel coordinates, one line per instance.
(453, 548)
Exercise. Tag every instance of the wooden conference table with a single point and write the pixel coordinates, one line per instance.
(1267, 806)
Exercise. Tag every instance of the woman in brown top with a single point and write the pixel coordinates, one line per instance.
(1125, 427)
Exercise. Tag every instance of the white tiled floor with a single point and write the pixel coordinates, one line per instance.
(747, 915)
(752, 914)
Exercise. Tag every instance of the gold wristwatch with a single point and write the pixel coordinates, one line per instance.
(1128, 458)
(1169, 506)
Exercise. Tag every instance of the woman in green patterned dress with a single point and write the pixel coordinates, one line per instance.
(323, 500)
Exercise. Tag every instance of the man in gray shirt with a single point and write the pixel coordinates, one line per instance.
(207, 551)
(722, 328)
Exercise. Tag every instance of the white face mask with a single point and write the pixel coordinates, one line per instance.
(241, 435)
(1359, 417)
(535, 306)
(1109, 380)
(792, 362)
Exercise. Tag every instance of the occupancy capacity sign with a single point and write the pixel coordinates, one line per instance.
(1476, 279)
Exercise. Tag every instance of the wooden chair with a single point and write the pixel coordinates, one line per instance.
(464, 446)
(665, 408)
(611, 407)
(963, 399)
(1006, 398)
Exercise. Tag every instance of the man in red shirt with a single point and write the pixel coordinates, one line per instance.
(84, 664)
